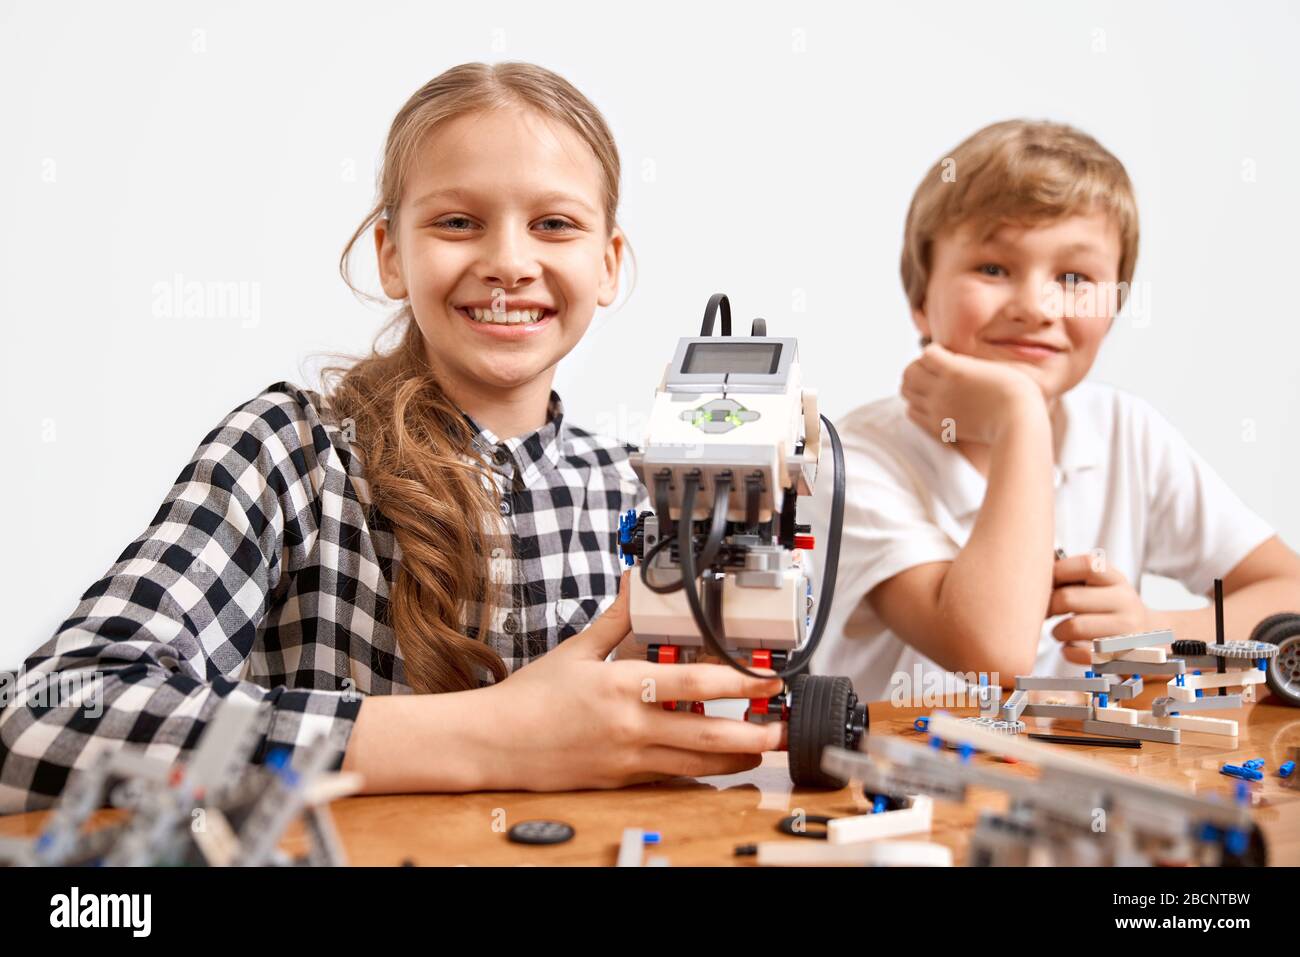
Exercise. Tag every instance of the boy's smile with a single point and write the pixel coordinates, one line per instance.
(502, 246)
(1037, 296)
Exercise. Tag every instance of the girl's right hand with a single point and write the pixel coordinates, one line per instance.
(571, 719)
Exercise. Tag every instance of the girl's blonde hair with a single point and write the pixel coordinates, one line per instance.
(1021, 171)
(423, 472)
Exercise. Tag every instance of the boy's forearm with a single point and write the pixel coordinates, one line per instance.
(996, 593)
(1243, 609)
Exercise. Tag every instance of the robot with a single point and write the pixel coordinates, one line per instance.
(733, 440)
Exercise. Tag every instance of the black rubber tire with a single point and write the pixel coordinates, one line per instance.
(1256, 852)
(1283, 672)
(819, 716)
(1268, 623)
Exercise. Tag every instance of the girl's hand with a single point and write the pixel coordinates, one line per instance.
(1102, 601)
(978, 398)
(573, 720)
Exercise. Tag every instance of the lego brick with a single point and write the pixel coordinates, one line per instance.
(1050, 683)
(1225, 679)
(632, 847)
(1117, 715)
(1070, 712)
(914, 819)
(1145, 639)
(1142, 732)
(909, 854)
(1070, 773)
(1151, 655)
(1127, 690)
(1174, 666)
(990, 699)
(1161, 707)
(1204, 662)
(1014, 706)
(813, 853)
(1229, 679)
(1198, 724)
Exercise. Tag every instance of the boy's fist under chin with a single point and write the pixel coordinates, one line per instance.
(964, 398)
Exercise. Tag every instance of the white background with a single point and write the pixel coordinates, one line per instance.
(770, 151)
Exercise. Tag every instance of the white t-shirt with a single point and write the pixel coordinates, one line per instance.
(1126, 482)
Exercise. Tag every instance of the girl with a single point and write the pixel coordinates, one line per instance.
(378, 564)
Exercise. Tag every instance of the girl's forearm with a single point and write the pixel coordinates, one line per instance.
(997, 591)
(422, 742)
(1243, 609)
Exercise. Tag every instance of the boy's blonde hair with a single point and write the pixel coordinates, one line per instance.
(1017, 171)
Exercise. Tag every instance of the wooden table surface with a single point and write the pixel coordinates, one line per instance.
(702, 820)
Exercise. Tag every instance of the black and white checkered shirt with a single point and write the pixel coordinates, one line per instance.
(267, 573)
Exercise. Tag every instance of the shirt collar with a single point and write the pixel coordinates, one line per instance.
(529, 455)
(1080, 447)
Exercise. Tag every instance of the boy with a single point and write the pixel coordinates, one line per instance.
(1018, 250)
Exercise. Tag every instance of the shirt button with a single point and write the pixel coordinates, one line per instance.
(505, 507)
(511, 624)
(501, 456)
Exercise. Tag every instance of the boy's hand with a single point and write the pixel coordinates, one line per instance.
(964, 398)
(1100, 598)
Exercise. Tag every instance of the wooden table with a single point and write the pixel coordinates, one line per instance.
(702, 820)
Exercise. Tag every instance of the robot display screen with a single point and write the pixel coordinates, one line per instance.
(749, 358)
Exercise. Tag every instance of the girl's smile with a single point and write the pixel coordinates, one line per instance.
(509, 319)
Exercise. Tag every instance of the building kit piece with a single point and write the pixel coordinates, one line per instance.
(215, 810)
(1174, 666)
(908, 854)
(1145, 639)
(1163, 707)
(989, 698)
(1117, 715)
(1075, 812)
(1198, 723)
(1051, 683)
(1193, 683)
(1127, 690)
(632, 848)
(1237, 771)
(1014, 706)
(1068, 712)
(1142, 732)
(1089, 742)
(915, 818)
(1151, 655)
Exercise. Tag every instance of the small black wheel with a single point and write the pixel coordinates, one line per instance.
(823, 711)
(1188, 646)
(1283, 668)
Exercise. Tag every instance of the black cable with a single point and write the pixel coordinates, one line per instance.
(718, 524)
(689, 572)
(716, 300)
(662, 483)
(662, 498)
(649, 557)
